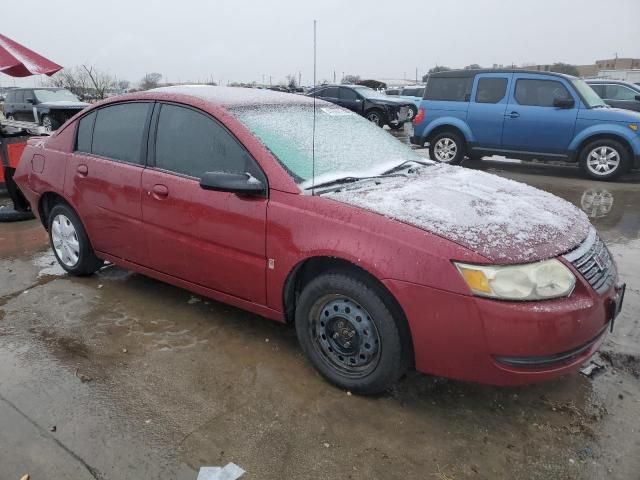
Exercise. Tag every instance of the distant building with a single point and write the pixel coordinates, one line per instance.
(618, 64)
(628, 75)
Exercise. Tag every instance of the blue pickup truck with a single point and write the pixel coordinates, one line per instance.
(525, 115)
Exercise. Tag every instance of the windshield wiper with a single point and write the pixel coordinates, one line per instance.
(400, 165)
(338, 181)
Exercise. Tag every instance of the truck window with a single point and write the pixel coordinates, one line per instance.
(540, 93)
(491, 90)
(453, 89)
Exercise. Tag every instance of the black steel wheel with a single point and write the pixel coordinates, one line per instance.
(348, 333)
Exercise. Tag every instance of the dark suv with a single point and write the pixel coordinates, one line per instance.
(617, 93)
(52, 106)
(371, 104)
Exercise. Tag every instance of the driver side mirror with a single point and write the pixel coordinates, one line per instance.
(30, 100)
(239, 183)
(637, 98)
(563, 102)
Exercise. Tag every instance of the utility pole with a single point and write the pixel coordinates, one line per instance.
(299, 79)
(334, 76)
(270, 80)
(416, 75)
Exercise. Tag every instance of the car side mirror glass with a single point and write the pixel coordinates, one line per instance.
(240, 183)
(563, 102)
(30, 100)
(637, 98)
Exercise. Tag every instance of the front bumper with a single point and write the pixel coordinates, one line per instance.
(483, 340)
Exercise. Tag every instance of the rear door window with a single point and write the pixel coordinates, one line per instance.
(191, 143)
(329, 92)
(119, 132)
(540, 93)
(348, 94)
(85, 133)
(454, 89)
(491, 90)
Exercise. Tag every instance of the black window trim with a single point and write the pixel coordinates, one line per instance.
(153, 131)
(145, 133)
(515, 89)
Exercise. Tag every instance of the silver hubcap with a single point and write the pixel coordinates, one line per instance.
(445, 150)
(65, 241)
(46, 123)
(603, 160)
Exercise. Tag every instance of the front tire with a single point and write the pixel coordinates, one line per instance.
(349, 334)
(70, 243)
(447, 147)
(376, 117)
(605, 159)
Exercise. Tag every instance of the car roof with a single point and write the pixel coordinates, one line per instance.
(36, 88)
(605, 80)
(472, 73)
(234, 96)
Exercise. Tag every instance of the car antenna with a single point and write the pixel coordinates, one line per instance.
(313, 134)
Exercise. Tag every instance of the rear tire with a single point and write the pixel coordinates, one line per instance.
(349, 334)
(70, 243)
(604, 159)
(447, 147)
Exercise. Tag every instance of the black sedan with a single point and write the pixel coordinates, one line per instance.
(371, 104)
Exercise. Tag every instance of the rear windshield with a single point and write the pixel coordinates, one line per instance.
(454, 89)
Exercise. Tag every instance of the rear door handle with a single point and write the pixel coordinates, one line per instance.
(513, 115)
(160, 191)
(82, 170)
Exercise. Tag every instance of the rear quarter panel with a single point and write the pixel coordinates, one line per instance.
(439, 113)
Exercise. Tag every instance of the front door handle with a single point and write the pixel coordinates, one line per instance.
(513, 115)
(82, 170)
(160, 191)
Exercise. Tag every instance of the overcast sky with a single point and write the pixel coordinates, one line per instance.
(244, 40)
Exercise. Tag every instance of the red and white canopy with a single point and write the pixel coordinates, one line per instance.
(19, 61)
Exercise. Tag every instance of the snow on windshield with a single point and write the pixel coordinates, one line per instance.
(46, 95)
(496, 217)
(345, 143)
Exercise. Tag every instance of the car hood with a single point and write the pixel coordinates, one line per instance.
(390, 101)
(502, 220)
(609, 115)
(64, 104)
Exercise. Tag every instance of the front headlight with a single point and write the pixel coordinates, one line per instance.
(531, 281)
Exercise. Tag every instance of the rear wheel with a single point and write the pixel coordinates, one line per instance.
(447, 147)
(349, 334)
(70, 242)
(605, 159)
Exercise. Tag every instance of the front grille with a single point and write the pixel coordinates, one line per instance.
(594, 262)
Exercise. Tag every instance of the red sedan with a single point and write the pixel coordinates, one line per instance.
(309, 214)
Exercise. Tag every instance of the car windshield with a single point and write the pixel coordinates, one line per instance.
(589, 96)
(346, 145)
(367, 92)
(49, 95)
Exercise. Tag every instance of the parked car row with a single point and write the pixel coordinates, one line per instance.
(525, 115)
(617, 94)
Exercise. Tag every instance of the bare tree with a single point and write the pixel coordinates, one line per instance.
(292, 82)
(473, 66)
(350, 79)
(150, 80)
(101, 81)
(123, 84)
(73, 79)
(565, 68)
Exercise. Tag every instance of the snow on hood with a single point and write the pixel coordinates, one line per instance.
(64, 104)
(503, 220)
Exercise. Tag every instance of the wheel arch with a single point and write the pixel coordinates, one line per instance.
(577, 152)
(304, 271)
(46, 203)
(449, 127)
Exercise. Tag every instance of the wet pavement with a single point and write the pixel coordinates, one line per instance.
(120, 376)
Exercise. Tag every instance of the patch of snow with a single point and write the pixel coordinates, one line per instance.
(498, 218)
(48, 264)
(240, 96)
